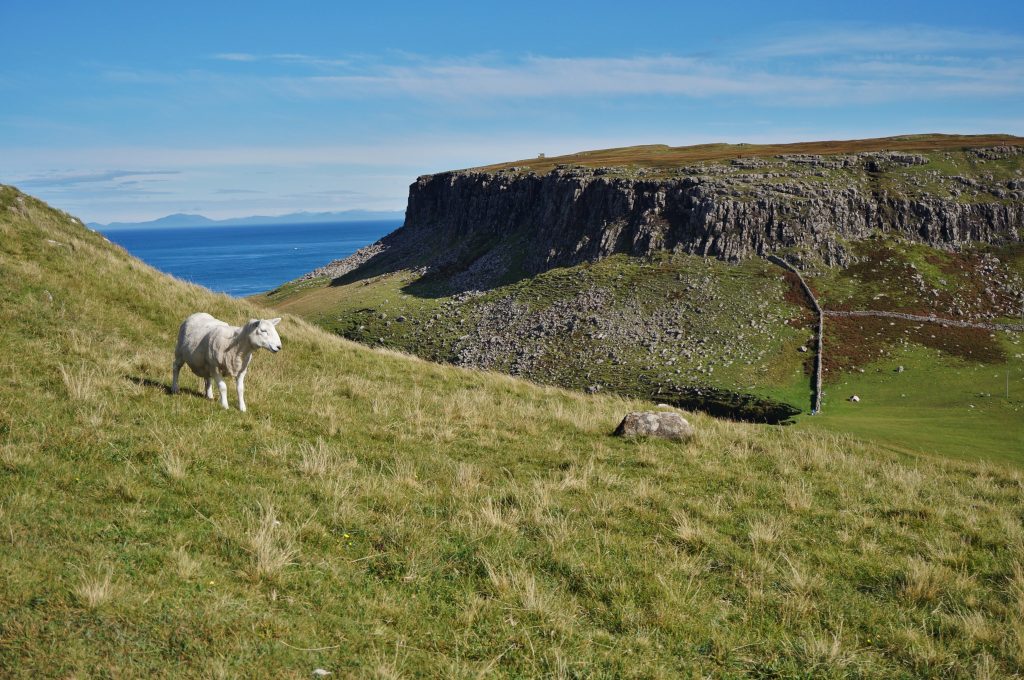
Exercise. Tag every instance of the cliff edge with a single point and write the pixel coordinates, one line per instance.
(481, 227)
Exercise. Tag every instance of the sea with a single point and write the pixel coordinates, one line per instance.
(245, 260)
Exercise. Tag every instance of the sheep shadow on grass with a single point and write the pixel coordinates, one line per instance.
(162, 386)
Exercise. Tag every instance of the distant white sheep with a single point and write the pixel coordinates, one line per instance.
(214, 349)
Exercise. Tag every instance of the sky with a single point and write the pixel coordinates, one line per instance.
(132, 111)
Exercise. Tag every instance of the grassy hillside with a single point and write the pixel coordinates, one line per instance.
(375, 515)
(667, 327)
(727, 338)
(662, 156)
(634, 326)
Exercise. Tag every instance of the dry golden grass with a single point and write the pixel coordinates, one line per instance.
(925, 581)
(173, 465)
(185, 566)
(317, 459)
(93, 590)
(82, 383)
(269, 543)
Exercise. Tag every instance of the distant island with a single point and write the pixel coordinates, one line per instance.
(184, 220)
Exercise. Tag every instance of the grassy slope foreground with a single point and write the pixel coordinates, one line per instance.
(377, 515)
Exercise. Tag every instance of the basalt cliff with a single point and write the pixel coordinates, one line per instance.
(482, 224)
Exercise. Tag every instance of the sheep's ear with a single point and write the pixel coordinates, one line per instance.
(252, 322)
(275, 321)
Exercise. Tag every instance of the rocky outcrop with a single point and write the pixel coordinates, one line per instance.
(667, 425)
(575, 215)
(478, 224)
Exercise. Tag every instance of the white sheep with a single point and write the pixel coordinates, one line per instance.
(214, 349)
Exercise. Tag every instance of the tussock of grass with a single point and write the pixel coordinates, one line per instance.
(95, 589)
(404, 519)
(173, 465)
(269, 542)
(82, 383)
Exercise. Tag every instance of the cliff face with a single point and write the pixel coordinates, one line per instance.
(572, 215)
(466, 221)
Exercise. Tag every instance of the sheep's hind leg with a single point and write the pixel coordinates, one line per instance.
(209, 389)
(174, 381)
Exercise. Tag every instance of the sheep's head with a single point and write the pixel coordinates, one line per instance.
(263, 334)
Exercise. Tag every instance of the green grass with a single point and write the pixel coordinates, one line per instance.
(376, 515)
(726, 298)
(938, 403)
(713, 307)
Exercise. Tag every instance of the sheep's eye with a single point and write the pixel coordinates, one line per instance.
(263, 331)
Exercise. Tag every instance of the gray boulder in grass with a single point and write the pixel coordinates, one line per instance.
(663, 424)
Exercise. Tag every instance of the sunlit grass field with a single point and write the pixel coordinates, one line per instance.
(375, 515)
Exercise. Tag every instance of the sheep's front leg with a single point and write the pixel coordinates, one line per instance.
(223, 387)
(240, 384)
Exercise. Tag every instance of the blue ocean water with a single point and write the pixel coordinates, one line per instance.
(247, 260)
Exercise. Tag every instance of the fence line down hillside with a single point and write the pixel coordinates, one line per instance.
(819, 341)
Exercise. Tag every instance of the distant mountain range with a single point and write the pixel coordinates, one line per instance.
(184, 220)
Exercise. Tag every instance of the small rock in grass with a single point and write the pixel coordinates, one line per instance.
(655, 424)
(854, 399)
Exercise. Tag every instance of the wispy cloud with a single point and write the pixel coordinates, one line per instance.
(326, 194)
(284, 57)
(232, 192)
(855, 65)
(555, 77)
(52, 180)
(838, 82)
(235, 56)
(867, 39)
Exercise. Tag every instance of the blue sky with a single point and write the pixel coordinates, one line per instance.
(125, 111)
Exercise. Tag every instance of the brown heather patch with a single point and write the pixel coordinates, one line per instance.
(795, 296)
(855, 342)
(661, 155)
(880, 268)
